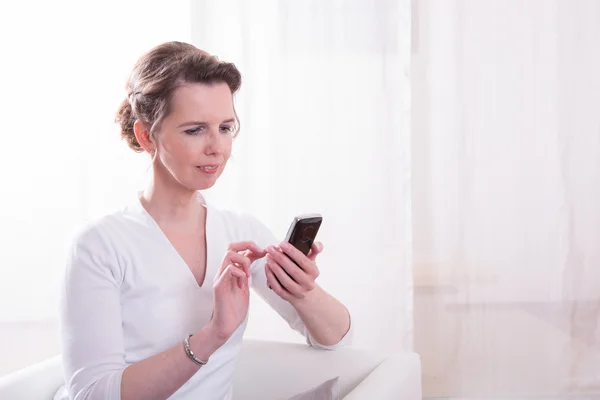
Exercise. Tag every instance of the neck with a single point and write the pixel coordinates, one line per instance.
(170, 203)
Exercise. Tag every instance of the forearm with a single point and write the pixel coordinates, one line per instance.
(326, 319)
(159, 376)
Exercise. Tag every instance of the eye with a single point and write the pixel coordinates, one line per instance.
(194, 131)
(226, 129)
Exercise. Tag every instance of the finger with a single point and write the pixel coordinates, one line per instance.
(229, 273)
(249, 249)
(252, 256)
(247, 245)
(233, 257)
(275, 285)
(236, 275)
(315, 249)
(267, 268)
(296, 255)
(289, 267)
(237, 258)
(299, 258)
(284, 279)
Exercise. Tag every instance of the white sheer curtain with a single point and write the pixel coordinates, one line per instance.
(506, 194)
(325, 128)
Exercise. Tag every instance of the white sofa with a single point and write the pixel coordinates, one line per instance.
(270, 370)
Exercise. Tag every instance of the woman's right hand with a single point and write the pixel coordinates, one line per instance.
(231, 291)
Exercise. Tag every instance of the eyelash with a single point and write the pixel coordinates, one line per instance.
(195, 131)
(228, 128)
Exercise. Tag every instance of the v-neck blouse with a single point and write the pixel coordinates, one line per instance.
(164, 242)
(129, 295)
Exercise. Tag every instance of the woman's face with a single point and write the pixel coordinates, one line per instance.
(194, 141)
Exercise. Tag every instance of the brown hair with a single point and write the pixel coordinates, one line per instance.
(155, 77)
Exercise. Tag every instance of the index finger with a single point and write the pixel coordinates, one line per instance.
(248, 249)
(247, 245)
(296, 255)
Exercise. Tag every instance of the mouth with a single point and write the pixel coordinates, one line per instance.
(208, 169)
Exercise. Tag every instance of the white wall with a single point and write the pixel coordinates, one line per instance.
(63, 73)
(63, 70)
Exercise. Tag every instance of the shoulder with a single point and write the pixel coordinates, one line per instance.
(95, 246)
(98, 232)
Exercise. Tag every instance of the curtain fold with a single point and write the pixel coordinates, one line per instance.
(325, 113)
(506, 187)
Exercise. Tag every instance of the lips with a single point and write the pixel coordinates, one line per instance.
(208, 169)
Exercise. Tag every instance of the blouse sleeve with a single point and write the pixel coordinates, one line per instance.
(90, 315)
(264, 237)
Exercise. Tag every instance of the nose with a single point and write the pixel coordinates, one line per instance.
(214, 142)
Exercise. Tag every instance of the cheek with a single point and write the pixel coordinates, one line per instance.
(178, 152)
(227, 145)
(184, 152)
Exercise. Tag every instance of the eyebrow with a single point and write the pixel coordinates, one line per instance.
(204, 123)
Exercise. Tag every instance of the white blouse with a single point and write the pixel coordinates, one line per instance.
(129, 295)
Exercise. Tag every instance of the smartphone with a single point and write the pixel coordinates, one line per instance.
(303, 231)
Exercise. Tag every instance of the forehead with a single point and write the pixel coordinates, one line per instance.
(208, 102)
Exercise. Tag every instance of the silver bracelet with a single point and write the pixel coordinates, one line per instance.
(190, 353)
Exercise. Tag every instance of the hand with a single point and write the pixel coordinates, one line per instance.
(295, 275)
(231, 292)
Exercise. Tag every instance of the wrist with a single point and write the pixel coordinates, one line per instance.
(310, 299)
(216, 334)
(206, 342)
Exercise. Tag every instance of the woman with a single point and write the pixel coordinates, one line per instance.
(156, 295)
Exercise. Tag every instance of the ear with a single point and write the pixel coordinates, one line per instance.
(142, 134)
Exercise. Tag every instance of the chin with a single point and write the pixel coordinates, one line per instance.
(204, 184)
(195, 184)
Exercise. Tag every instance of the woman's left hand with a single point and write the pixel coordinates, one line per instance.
(295, 279)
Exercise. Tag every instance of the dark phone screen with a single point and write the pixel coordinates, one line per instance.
(304, 233)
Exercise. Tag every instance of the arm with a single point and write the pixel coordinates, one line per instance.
(323, 320)
(93, 350)
(326, 319)
(159, 376)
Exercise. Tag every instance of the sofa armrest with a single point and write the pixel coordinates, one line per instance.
(398, 377)
(38, 381)
(276, 370)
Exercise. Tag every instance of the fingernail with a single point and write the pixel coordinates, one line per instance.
(274, 249)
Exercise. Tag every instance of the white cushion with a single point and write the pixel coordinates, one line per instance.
(327, 390)
(398, 377)
(272, 370)
(39, 381)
